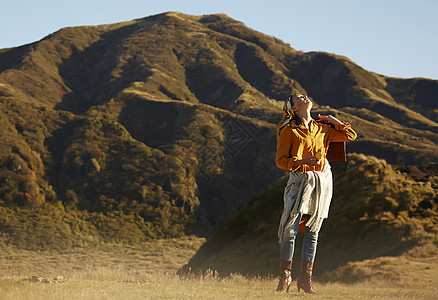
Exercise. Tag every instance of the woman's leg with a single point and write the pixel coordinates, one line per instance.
(287, 247)
(286, 255)
(310, 243)
(287, 250)
(308, 254)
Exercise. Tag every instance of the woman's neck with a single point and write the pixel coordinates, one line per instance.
(304, 116)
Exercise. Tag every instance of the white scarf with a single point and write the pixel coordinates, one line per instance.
(307, 193)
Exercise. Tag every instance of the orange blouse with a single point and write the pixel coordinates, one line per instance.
(297, 143)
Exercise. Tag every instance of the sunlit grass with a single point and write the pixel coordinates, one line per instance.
(149, 271)
(115, 284)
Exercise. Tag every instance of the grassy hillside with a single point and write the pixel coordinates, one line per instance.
(165, 125)
(376, 211)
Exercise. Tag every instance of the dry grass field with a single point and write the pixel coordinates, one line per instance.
(148, 271)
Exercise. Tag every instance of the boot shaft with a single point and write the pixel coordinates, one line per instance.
(285, 276)
(285, 265)
(305, 278)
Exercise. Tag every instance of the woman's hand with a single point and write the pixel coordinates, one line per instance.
(330, 118)
(311, 161)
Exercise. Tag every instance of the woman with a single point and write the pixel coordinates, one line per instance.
(302, 144)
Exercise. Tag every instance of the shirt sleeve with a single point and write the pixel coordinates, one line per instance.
(342, 133)
(283, 158)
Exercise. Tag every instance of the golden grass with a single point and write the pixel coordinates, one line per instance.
(116, 285)
(149, 257)
(148, 271)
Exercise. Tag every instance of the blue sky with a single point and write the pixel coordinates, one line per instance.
(396, 38)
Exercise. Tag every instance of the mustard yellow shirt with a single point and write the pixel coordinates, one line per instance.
(297, 143)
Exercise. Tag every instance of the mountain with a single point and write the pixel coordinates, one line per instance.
(165, 125)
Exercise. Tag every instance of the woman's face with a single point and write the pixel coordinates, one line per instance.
(301, 102)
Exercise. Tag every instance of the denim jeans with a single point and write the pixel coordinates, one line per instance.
(310, 242)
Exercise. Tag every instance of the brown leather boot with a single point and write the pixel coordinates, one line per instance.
(285, 276)
(305, 278)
